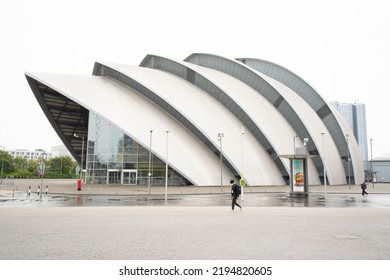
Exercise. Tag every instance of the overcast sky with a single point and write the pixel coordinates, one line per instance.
(341, 48)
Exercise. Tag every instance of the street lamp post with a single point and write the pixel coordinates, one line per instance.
(220, 135)
(242, 150)
(349, 170)
(2, 165)
(372, 168)
(242, 163)
(82, 154)
(42, 171)
(150, 159)
(294, 143)
(166, 172)
(324, 161)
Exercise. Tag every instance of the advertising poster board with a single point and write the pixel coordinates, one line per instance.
(298, 175)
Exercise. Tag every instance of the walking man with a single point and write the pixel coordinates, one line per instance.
(364, 187)
(236, 191)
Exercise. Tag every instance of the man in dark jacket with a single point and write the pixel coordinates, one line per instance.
(363, 187)
(236, 191)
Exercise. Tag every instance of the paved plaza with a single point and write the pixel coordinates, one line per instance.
(74, 228)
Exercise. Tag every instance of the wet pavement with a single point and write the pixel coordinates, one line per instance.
(194, 233)
(193, 224)
(21, 199)
(63, 193)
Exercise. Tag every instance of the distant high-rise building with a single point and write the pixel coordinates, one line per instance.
(355, 115)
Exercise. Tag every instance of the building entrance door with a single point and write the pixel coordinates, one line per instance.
(113, 177)
(129, 177)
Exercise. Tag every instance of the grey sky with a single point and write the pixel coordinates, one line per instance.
(339, 47)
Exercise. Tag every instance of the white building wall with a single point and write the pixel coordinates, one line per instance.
(212, 118)
(30, 154)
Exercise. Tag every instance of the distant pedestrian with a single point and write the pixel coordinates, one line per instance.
(236, 191)
(364, 187)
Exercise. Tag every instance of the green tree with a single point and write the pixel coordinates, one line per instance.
(6, 163)
(61, 167)
(21, 167)
(20, 163)
(58, 167)
(33, 166)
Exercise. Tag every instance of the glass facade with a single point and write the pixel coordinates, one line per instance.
(115, 158)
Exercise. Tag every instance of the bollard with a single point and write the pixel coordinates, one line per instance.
(29, 191)
(39, 190)
(46, 190)
(79, 184)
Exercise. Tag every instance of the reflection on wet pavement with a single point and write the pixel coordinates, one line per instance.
(251, 200)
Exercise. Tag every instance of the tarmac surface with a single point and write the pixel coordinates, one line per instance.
(195, 223)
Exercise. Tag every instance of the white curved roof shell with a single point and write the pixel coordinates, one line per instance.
(165, 101)
(182, 145)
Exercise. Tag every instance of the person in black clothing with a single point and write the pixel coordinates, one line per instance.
(236, 191)
(364, 187)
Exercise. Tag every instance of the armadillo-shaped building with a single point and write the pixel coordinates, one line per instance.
(209, 118)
